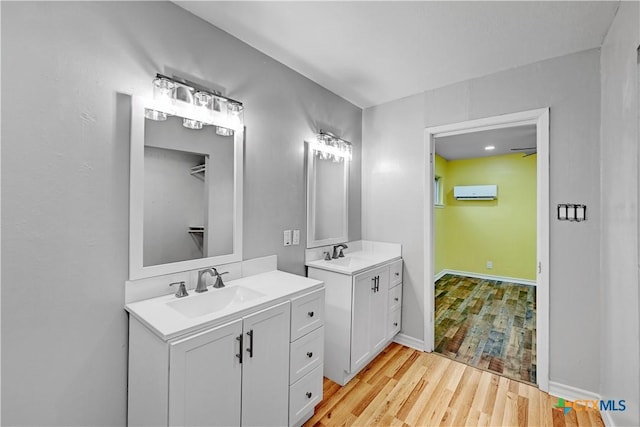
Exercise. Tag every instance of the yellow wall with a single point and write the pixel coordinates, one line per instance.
(470, 233)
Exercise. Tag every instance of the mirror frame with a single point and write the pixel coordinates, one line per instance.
(136, 200)
(311, 191)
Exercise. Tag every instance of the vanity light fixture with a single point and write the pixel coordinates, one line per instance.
(329, 146)
(197, 105)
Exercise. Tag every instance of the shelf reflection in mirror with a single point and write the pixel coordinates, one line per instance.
(186, 195)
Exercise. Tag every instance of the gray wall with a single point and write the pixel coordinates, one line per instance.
(65, 184)
(619, 276)
(393, 159)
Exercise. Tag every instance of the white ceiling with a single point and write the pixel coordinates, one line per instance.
(471, 145)
(372, 52)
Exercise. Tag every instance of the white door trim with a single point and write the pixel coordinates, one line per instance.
(540, 118)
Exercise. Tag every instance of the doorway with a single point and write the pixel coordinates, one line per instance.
(537, 120)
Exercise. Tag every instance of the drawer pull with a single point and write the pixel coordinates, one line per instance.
(239, 355)
(309, 354)
(309, 394)
(397, 274)
(395, 323)
(310, 314)
(396, 299)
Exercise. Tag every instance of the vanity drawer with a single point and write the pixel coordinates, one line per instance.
(394, 323)
(307, 313)
(395, 273)
(395, 298)
(305, 395)
(306, 354)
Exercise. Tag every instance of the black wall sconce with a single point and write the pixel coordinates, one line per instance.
(572, 212)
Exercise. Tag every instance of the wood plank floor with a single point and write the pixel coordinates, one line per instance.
(406, 387)
(488, 324)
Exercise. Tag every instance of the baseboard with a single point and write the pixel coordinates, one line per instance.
(568, 392)
(439, 275)
(606, 418)
(408, 341)
(488, 277)
(571, 393)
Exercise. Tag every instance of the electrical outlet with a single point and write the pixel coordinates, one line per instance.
(296, 237)
(489, 265)
(287, 237)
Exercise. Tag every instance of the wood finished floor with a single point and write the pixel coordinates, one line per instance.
(406, 387)
(488, 324)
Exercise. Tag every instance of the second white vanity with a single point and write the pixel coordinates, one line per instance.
(248, 354)
(362, 306)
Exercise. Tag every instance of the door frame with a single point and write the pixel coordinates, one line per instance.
(540, 118)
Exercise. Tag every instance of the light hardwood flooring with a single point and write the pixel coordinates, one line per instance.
(406, 387)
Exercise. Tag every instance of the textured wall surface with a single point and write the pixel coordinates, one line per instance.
(393, 191)
(503, 231)
(619, 276)
(68, 69)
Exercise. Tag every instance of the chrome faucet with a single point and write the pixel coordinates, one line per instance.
(182, 290)
(218, 283)
(335, 250)
(202, 281)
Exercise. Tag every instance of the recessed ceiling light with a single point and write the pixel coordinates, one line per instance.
(489, 147)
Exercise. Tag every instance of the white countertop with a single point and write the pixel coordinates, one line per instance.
(354, 262)
(167, 323)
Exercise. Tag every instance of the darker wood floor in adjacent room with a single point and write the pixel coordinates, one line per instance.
(406, 387)
(488, 324)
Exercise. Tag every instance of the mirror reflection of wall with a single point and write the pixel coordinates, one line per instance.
(329, 200)
(327, 197)
(188, 193)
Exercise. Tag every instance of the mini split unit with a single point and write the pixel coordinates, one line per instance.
(475, 192)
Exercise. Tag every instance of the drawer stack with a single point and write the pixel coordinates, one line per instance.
(306, 356)
(395, 299)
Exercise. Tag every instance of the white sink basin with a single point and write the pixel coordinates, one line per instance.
(347, 261)
(214, 300)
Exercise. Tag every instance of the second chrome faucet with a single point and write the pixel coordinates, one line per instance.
(202, 280)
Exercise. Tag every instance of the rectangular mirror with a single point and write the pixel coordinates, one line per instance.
(327, 199)
(185, 196)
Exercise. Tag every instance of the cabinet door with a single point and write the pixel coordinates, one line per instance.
(378, 310)
(265, 369)
(363, 288)
(205, 377)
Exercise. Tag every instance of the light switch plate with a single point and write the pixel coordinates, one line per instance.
(296, 237)
(287, 237)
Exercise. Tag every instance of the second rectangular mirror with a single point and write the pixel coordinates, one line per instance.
(327, 198)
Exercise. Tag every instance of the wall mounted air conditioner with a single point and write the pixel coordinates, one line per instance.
(475, 192)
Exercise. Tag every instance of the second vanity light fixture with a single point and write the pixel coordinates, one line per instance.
(329, 146)
(198, 106)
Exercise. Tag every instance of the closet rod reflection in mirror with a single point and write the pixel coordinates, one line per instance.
(185, 196)
(327, 199)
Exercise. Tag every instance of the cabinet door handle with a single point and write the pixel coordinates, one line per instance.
(309, 354)
(309, 394)
(239, 355)
(310, 314)
(377, 283)
(250, 349)
(373, 284)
